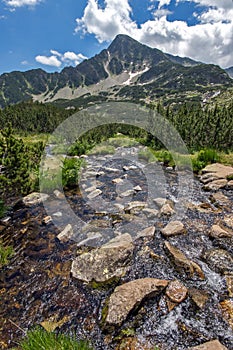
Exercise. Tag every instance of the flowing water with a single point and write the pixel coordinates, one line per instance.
(37, 284)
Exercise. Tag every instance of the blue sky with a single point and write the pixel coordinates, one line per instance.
(52, 34)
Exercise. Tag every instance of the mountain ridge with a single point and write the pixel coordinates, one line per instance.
(127, 69)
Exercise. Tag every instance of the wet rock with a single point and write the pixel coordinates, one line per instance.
(218, 232)
(173, 228)
(135, 206)
(66, 234)
(176, 291)
(91, 240)
(227, 311)
(182, 263)
(47, 220)
(147, 232)
(150, 213)
(94, 194)
(219, 260)
(104, 263)
(229, 282)
(58, 194)
(137, 188)
(126, 193)
(6, 221)
(160, 202)
(96, 225)
(129, 296)
(166, 210)
(228, 221)
(219, 199)
(210, 345)
(230, 185)
(199, 297)
(215, 185)
(34, 198)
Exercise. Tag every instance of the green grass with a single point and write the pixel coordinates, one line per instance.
(122, 141)
(39, 339)
(5, 254)
(102, 149)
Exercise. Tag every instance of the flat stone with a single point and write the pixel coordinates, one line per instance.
(209, 177)
(210, 345)
(182, 263)
(219, 199)
(217, 231)
(215, 185)
(218, 169)
(126, 193)
(135, 206)
(90, 189)
(219, 260)
(227, 311)
(147, 232)
(137, 188)
(94, 194)
(66, 234)
(104, 263)
(47, 220)
(166, 210)
(112, 170)
(230, 185)
(176, 291)
(173, 228)
(129, 296)
(35, 198)
(150, 213)
(199, 297)
(160, 202)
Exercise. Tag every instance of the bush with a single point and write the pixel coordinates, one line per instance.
(208, 156)
(71, 171)
(39, 339)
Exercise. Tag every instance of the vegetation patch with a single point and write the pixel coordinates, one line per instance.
(5, 254)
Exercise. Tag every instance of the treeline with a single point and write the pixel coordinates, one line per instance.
(33, 117)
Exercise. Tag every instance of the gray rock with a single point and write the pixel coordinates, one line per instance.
(129, 296)
(135, 206)
(105, 263)
(150, 213)
(160, 202)
(219, 260)
(94, 194)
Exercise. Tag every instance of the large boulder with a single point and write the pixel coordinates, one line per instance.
(130, 295)
(105, 263)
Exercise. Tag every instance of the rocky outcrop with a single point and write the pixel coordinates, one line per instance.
(105, 263)
(129, 296)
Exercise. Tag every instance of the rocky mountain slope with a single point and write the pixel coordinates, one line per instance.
(125, 70)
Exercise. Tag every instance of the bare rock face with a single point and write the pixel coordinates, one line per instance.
(182, 263)
(210, 345)
(173, 228)
(130, 295)
(35, 198)
(105, 263)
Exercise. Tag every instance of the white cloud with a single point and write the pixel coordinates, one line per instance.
(57, 59)
(48, 61)
(25, 63)
(20, 3)
(210, 40)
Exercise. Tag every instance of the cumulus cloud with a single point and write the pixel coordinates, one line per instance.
(58, 59)
(210, 40)
(20, 3)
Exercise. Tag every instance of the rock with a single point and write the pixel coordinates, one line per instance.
(160, 202)
(58, 214)
(6, 221)
(94, 194)
(150, 213)
(84, 156)
(199, 297)
(126, 193)
(227, 311)
(166, 210)
(176, 291)
(215, 185)
(217, 232)
(147, 232)
(58, 194)
(47, 220)
(209, 177)
(219, 260)
(105, 263)
(91, 240)
(35, 198)
(95, 225)
(137, 188)
(173, 228)
(135, 206)
(130, 295)
(230, 185)
(112, 170)
(210, 345)
(134, 343)
(219, 199)
(119, 206)
(220, 170)
(228, 221)
(90, 189)
(182, 262)
(66, 234)
(229, 282)
(117, 181)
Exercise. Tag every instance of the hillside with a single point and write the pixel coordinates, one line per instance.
(125, 70)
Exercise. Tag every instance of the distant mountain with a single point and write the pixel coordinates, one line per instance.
(127, 69)
(230, 71)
